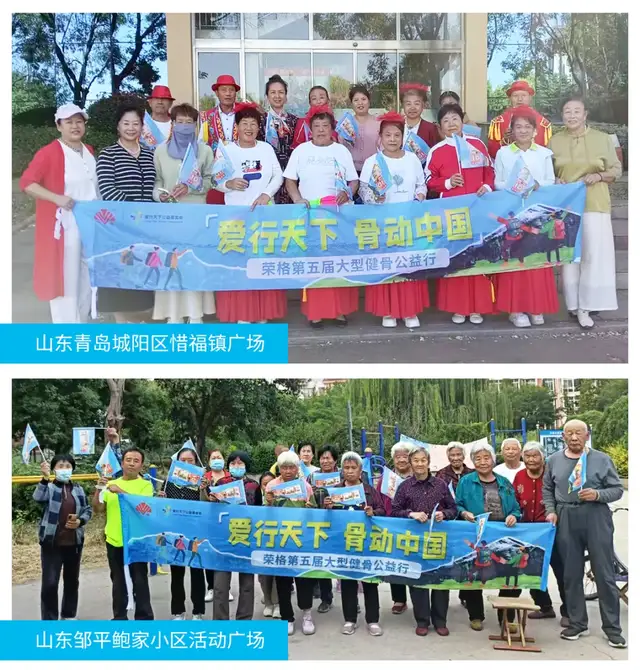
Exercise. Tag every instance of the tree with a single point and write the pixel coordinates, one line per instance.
(114, 410)
(535, 403)
(29, 94)
(610, 390)
(588, 395)
(500, 29)
(614, 424)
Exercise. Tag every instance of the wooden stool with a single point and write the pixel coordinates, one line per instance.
(521, 606)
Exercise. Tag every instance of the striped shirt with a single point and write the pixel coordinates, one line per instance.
(121, 176)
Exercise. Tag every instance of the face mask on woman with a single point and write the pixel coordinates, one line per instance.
(64, 474)
(216, 464)
(237, 471)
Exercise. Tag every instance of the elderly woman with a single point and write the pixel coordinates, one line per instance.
(464, 296)
(289, 464)
(60, 174)
(511, 451)
(417, 498)
(525, 292)
(406, 298)
(581, 153)
(281, 125)
(178, 595)
(238, 464)
(256, 179)
(457, 468)
(65, 513)
(311, 175)
(480, 492)
(366, 143)
(351, 464)
(126, 173)
(168, 157)
(528, 487)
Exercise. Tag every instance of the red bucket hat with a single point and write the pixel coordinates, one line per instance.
(162, 92)
(520, 85)
(225, 80)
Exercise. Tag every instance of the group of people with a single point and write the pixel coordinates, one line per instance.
(277, 157)
(529, 490)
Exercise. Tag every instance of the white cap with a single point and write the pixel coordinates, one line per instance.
(67, 111)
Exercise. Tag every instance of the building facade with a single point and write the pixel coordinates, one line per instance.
(443, 51)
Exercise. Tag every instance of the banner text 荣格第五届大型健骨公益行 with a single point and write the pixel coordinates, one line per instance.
(315, 543)
(148, 246)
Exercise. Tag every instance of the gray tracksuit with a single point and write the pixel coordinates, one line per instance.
(585, 526)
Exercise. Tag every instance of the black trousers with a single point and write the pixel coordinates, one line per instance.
(542, 598)
(349, 595)
(475, 603)
(304, 591)
(57, 559)
(429, 605)
(178, 595)
(140, 581)
(399, 593)
(326, 590)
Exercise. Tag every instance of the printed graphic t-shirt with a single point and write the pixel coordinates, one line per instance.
(113, 527)
(492, 502)
(315, 168)
(407, 177)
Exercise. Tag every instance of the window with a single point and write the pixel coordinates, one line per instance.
(439, 71)
(217, 26)
(378, 72)
(210, 67)
(274, 26)
(334, 71)
(354, 26)
(428, 27)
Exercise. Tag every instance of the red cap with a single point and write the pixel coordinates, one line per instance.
(318, 109)
(391, 117)
(520, 85)
(225, 80)
(161, 92)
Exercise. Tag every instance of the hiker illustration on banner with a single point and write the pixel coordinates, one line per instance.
(301, 542)
(185, 474)
(291, 246)
(84, 441)
(325, 479)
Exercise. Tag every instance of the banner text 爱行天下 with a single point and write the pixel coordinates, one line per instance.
(316, 543)
(152, 246)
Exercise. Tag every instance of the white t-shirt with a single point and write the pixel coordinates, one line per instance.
(259, 166)
(165, 127)
(509, 473)
(315, 168)
(80, 179)
(407, 177)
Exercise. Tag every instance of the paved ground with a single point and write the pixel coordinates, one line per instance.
(398, 642)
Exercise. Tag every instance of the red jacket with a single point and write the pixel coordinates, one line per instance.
(429, 133)
(47, 169)
(501, 124)
(529, 497)
(442, 164)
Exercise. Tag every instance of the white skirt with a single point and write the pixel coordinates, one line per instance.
(175, 305)
(591, 284)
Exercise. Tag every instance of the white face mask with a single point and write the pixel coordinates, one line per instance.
(64, 474)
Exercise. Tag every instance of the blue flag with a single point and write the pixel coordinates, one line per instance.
(380, 179)
(416, 145)
(84, 441)
(341, 180)
(190, 174)
(468, 155)
(366, 467)
(185, 474)
(520, 181)
(578, 475)
(232, 493)
(348, 496)
(413, 441)
(30, 443)
(271, 132)
(108, 464)
(390, 482)
(347, 128)
(474, 131)
(451, 491)
(187, 445)
(222, 167)
(151, 135)
(481, 522)
(304, 469)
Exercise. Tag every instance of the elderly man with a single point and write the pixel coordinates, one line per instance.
(160, 102)
(511, 452)
(417, 498)
(528, 488)
(520, 94)
(578, 502)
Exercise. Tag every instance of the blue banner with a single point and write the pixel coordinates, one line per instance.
(84, 441)
(337, 544)
(180, 641)
(224, 247)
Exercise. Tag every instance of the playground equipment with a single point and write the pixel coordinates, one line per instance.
(514, 432)
(380, 435)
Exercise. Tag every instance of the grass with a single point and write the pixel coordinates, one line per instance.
(531, 262)
(26, 550)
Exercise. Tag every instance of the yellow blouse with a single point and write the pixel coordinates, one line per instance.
(577, 156)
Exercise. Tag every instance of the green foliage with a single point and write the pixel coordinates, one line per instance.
(102, 113)
(613, 427)
(588, 395)
(619, 454)
(36, 116)
(610, 390)
(535, 404)
(28, 94)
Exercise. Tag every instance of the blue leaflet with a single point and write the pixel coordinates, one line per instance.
(520, 181)
(232, 493)
(347, 128)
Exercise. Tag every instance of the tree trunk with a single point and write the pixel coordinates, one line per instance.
(115, 418)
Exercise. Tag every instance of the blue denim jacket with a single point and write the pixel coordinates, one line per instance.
(470, 498)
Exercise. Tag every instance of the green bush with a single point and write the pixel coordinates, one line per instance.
(102, 113)
(40, 116)
(619, 454)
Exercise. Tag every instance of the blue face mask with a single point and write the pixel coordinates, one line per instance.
(64, 474)
(237, 471)
(216, 463)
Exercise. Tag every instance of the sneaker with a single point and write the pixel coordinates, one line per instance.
(476, 624)
(543, 614)
(573, 633)
(537, 319)
(564, 622)
(520, 320)
(291, 628)
(458, 318)
(262, 322)
(308, 627)
(389, 322)
(340, 321)
(231, 597)
(316, 324)
(276, 612)
(268, 611)
(376, 630)
(243, 323)
(209, 597)
(584, 319)
(323, 607)
(617, 641)
(179, 617)
(68, 618)
(195, 320)
(197, 617)
(422, 631)
(476, 318)
(399, 608)
(348, 628)
(412, 322)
